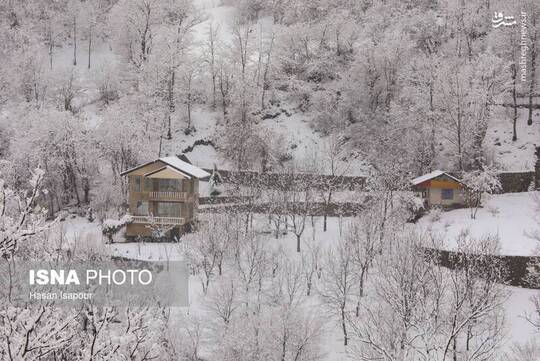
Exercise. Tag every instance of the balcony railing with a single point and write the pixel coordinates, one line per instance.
(177, 196)
(158, 220)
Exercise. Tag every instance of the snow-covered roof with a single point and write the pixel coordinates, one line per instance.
(182, 166)
(434, 174)
(177, 164)
(166, 172)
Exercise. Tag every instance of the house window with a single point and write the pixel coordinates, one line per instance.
(187, 186)
(169, 209)
(148, 185)
(137, 184)
(142, 208)
(447, 194)
(169, 185)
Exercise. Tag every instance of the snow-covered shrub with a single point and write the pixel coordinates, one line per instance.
(189, 129)
(106, 77)
(63, 215)
(215, 182)
(478, 183)
(159, 232)
(434, 214)
(90, 215)
(321, 70)
(411, 206)
(111, 226)
(302, 94)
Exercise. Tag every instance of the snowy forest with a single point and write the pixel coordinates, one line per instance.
(309, 241)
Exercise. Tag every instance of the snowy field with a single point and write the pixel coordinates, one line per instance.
(516, 306)
(513, 217)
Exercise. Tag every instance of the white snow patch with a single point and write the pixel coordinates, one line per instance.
(513, 155)
(511, 216)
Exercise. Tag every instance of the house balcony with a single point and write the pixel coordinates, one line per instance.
(169, 196)
(158, 220)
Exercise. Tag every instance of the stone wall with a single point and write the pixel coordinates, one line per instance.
(513, 182)
(515, 269)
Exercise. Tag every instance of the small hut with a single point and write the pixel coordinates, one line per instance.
(439, 188)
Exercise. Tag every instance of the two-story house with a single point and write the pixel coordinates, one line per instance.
(163, 193)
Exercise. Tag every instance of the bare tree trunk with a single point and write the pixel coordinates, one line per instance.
(169, 133)
(51, 48)
(212, 48)
(344, 326)
(454, 348)
(74, 40)
(189, 103)
(361, 291)
(469, 337)
(86, 190)
(265, 73)
(326, 206)
(89, 46)
(514, 99)
(224, 92)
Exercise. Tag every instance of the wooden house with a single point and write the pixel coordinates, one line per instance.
(439, 188)
(163, 193)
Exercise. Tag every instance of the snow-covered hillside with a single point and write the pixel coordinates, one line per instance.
(294, 267)
(513, 155)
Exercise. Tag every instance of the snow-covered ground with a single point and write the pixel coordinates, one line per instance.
(205, 129)
(512, 217)
(513, 155)
(147, 251)
(516, 307)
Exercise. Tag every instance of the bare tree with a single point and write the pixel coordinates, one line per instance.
(334, 167)
(68, 90)
(242, 52)
(205, 250)
(225, 80)
(250, 259)
(476, 299)
(299, 203)
(338, 282)
(223, 301)
(362, 234)
(266, 68)
(211, 46)
(311, 263)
